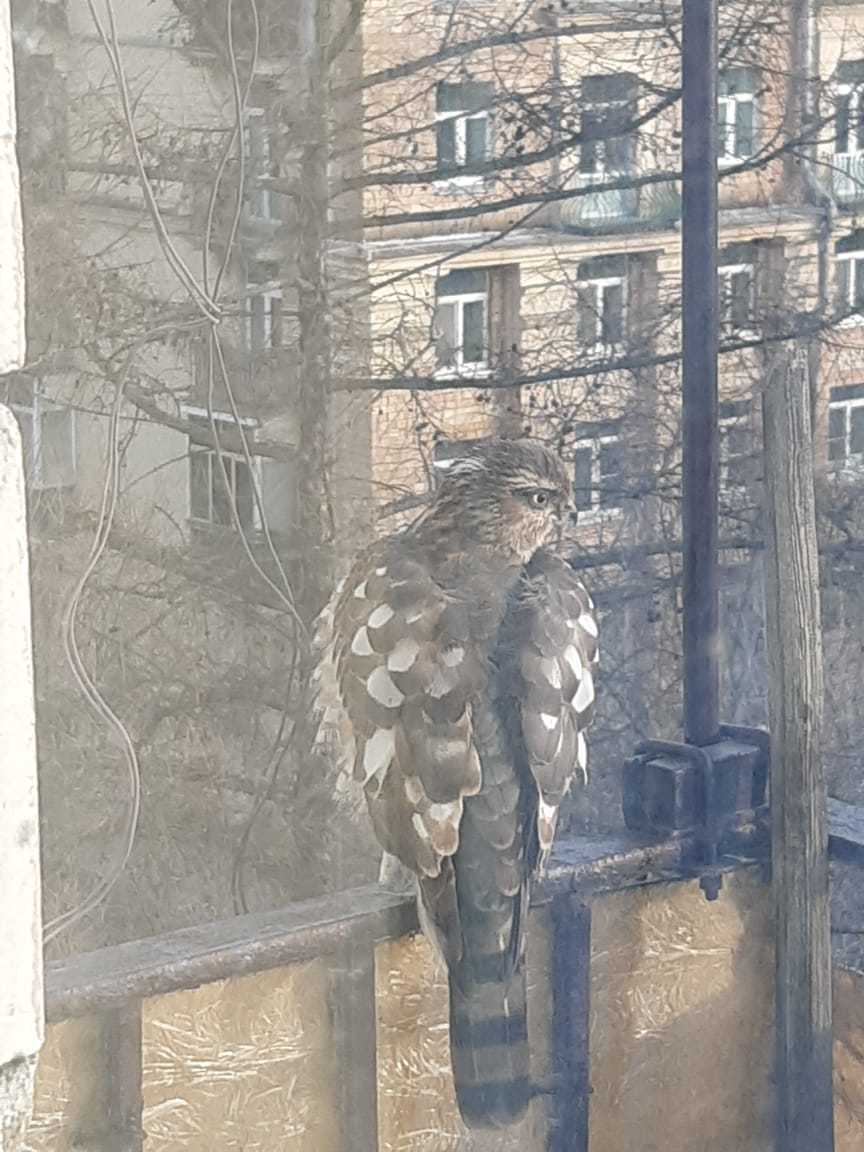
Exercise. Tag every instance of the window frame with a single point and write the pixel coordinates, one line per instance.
(599, 285)
(597, 511)
(232, 458)
(460, 367)
(461, 117)
(851, 257)
(728, 128)
(726, 272)
(33, 413)
(269, 292)
(850, 461)
(604, 110)
(855, 91)
(258, 165)
(739, 415)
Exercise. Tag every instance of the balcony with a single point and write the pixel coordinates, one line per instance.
(611, 209)
(322, 1027)
(845, 175)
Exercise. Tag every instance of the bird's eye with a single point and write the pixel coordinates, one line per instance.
(539, 499)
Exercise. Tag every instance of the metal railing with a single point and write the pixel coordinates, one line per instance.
(343, 930)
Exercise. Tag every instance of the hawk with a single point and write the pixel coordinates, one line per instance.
(455, 680)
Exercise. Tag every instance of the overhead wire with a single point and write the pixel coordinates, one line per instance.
(207, 302)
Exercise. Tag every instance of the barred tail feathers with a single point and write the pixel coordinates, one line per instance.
(489, 1049)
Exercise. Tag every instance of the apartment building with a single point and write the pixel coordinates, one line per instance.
(473, 227)
(526, 256)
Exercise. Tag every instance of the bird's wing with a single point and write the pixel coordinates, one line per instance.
(553, 638)
(404, 673)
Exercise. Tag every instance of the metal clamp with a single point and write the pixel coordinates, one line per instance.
(706, 794)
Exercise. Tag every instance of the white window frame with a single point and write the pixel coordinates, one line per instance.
(852, 461)
(725, 272)
(32, 412)
(856, 256)
(728, 154)
(725, 424)
(856, 92)
(474, 181)
(596, 512)
(599, 285)
(476, 368)
(269, 295)
(601, 168)
(256, 193)
(231, 458)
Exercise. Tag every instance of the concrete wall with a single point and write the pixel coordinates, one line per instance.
(21, 1017)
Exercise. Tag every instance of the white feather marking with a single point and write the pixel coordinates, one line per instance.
(420, 827)
(382, 571)
(551, 671)
(453, 656)
(413, 617)
(414, 791)
(441, 685)
(381, 616)
(378, 753)
(584, 697)
(550, 722)
(588, 624)
(403, 655)
(360, 591)
(442, 813)
(381, 688)
(360, 645)
(582, 755)
(547, 811)
(571, 655)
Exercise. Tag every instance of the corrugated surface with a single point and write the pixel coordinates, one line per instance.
(241, 1064)
(681, 1006)
(416, 1108)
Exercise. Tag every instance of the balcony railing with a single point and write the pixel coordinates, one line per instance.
(321, 1027)
(846, 177)
(612, 208)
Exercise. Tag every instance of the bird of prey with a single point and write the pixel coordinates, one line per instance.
(455, 680)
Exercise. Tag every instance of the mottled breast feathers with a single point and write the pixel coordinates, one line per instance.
(405, 661)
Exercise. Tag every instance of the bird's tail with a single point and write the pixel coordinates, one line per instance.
(489, 1047)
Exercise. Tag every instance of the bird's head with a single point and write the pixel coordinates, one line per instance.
(513, 495)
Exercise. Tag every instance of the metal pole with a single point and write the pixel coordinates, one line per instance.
(699, 318)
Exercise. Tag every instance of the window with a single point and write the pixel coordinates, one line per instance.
(264, 310)
(602, 303)
(47, 436)
(461, 321)
(463, 128)
(736, 115)
(737, 290)
(849, 122)
(210, 502)
(598, 470)
(609, 106)
(739, 461)
(846, 425)
(260, 200)
(849, 259)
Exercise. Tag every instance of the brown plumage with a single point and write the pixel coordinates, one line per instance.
(455, 682)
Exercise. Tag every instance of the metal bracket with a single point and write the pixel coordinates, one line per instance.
(704, 794)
